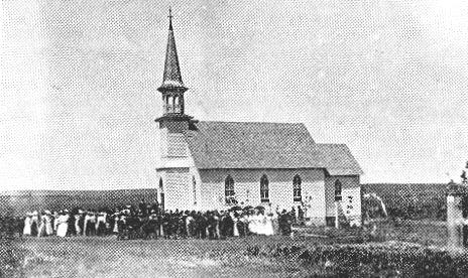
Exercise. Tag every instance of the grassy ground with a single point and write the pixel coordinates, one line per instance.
(107, 257)
(424, 232)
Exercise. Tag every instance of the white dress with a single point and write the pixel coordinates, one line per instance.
(101, 218)
(269, 226)
(27, 226)
(56, 216)
(48, 225)
(261, 224)
(236, 231)
(115, 230)
(63, 225)
(77, 224)
(252, 224)
(42, 227)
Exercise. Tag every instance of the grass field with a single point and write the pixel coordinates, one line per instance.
(106, 257)
(412, 201)
(254, 256)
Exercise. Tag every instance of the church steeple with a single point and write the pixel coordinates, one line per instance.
(172, 87)
(172, 79)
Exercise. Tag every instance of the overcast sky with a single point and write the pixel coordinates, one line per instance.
(78, 83)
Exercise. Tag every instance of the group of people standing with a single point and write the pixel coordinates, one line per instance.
(150, 220)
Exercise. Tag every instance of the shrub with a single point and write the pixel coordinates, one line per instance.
(375, 260)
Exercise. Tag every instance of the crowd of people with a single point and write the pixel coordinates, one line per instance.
(150, 221)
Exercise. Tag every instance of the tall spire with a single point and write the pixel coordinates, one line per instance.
(172, 79)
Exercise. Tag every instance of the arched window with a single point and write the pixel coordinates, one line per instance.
(338, 190)
(264, 190)
(194, 188)
(229, 193)
(297, 190)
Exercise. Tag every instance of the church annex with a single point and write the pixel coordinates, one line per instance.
(208, 165)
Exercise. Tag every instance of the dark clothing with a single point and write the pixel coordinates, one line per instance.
(142, 208)
(285, 222)
(227, 227)
(201, 225)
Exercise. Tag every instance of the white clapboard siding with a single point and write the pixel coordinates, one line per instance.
(177, 145)
(178, 195)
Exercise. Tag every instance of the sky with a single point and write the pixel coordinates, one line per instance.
(78, 83)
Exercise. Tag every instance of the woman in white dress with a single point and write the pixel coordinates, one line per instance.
(63, 225)
(235, 219)
(49, 230)
(34, 223)
(56, 216)
(269, 231)
(116, 217)
(78, 216)
(261, 229)
(27, 224)
(257, 223)
(42, 225)
(252, 223)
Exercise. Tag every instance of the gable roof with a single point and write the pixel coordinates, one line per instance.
(339, 160)
(253, 145)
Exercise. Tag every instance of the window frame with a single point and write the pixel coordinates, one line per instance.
(229, 189)
(338, 190)
(264, 189)
(297, 188)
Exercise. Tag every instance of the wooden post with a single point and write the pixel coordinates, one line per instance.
(337, 222)
(454, 222)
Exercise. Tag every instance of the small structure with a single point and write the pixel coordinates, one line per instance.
(457, 212)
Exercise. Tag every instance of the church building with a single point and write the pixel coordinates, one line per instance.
(207, 165)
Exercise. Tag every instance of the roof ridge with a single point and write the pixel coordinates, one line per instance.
(251, 122)
(332, 144)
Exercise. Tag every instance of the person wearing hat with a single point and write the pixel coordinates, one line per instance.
(56, 216)
(115, 221)
(34, 223)
(41, 232)
(152, 226)
(48, 223)
(285, 222)
(27, 224)
(142, 207)
(62, 224)
(90, 223)
(128, 210)
(71, 223)
(78, 220)
(101, 223)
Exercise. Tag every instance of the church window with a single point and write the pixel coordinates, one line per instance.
(169, 104)
(194, 188)
(297, 190)
(338, 190)
(264, 190)
(229, 193)
(176, 104)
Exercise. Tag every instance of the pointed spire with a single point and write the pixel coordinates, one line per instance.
(172, 79)
(170, 19)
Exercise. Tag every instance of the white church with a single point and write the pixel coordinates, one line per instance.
(208, 165)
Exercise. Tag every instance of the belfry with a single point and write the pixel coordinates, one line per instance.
(172, 88)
